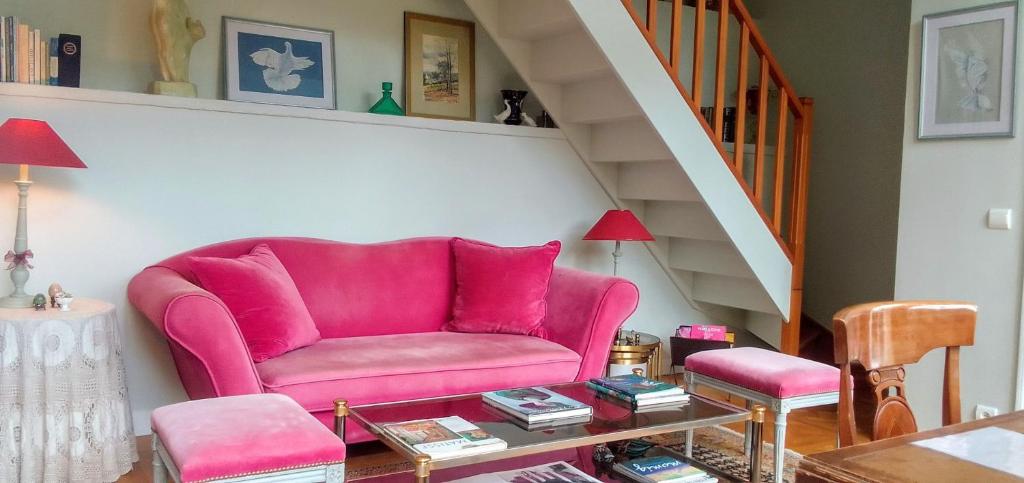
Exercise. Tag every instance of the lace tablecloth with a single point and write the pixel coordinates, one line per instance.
(64, 414)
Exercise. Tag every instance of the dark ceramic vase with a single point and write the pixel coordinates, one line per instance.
(514, 99)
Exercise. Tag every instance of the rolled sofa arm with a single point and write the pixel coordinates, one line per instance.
(208, 349)
(584, 311)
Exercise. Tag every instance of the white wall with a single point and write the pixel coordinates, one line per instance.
(163, 179)
(945, 250)
(119, 52)
(856, 75)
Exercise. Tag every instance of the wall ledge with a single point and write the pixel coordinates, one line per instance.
(29, 91)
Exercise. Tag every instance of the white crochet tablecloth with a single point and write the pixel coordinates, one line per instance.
(64, 413)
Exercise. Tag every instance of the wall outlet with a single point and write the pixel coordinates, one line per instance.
(981, 411)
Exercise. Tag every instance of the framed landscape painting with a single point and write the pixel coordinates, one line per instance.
(439, 67)
(278, 64)
(967, 72)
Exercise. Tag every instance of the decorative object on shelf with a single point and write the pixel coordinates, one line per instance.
(620, 226)
(387, 104)
(54, 291)
(69, 60)
(175, 32)
(39, 302)
(635, 351)
(28, 142)
(967, 72)
(440, 76)
(513, 113)
(64, 300)
(278, 64)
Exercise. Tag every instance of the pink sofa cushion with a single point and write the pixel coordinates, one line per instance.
(241, 435)
(501, 289)
(767, 372)
(261, 295)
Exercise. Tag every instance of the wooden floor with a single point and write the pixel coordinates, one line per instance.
(810, 430)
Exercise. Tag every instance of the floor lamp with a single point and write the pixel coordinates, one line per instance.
(620, 226)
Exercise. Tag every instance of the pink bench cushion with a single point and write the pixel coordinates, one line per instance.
(242, 435)
(767, 372)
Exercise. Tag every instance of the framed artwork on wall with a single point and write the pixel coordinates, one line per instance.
(440, 67)
(967, 72)
(278, 64)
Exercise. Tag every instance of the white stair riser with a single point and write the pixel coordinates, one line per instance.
(731, 291)
(704, 256)
(682, 220)
(568, 58)
(625, 141)
(535, 19)
(656, 180)
(598, 100)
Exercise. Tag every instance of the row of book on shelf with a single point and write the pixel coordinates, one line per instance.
(537, 408)
(29, 57)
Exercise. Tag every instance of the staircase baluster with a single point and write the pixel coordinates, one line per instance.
(780, 161)
(676, 42)
(698, 52)
(652, 17)
(739, 141)
(762, 128)
(720, 61)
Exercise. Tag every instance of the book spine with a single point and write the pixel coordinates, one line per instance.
(69, 60)
(23, 54)
(53, 61)
(39, 56)
(3, 49)
(30, 56)
(613, 393)
(44, 62)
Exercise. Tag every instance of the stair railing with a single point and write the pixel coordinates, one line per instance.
(790, 236)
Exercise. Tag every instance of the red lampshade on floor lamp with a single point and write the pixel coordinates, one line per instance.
(620, 226)
(28, 142)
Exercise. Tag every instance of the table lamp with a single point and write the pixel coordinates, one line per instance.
(28, 142)
(618, 225)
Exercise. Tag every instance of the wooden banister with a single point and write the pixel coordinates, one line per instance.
(789, 235)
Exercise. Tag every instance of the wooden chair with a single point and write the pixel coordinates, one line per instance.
(882, 337)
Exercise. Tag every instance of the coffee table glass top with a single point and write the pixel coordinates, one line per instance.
(611, 421)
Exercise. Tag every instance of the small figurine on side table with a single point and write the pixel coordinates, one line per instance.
(39, 302)
(64, 300)
(54, 291)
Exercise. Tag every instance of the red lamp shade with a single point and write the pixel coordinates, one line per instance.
(620, 225)
(34, 143)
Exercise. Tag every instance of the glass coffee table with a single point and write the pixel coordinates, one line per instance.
(612, 421)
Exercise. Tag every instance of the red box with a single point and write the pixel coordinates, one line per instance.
(702, 332)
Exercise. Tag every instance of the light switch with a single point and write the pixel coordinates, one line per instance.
(999, 218)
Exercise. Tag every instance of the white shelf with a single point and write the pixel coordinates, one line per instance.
(245, 108)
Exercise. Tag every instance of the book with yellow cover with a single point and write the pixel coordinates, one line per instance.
(443, 438)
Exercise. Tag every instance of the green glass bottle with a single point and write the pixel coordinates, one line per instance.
(387, 105)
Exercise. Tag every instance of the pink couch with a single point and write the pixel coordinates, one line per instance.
(379, 308)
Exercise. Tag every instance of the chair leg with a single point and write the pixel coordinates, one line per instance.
(780, 444)
(748, 426)
(335, 474)
(159, 471)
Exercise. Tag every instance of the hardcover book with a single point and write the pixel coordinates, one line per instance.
(638, 387)
(536, 404)
(662, 469)
(69, 60)
(546, 473)
(443, 438)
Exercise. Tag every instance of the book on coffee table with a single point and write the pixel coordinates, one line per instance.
(442, 438)
(551, 472)
(536, 404)
(662, 469)
(638, 391)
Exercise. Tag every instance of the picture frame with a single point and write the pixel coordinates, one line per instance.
(271, 63)
(968, 62)
(440, 67)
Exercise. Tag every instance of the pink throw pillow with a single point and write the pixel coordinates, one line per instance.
(262, 296)
(501, 289)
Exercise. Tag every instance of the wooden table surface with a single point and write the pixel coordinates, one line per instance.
(897, 460)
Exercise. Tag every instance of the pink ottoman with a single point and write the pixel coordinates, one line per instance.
(257, 437)
(780, 382)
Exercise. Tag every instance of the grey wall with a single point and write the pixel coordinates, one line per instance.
(119, 53)
(851, 58)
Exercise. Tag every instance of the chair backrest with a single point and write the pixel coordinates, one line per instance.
(882, 337)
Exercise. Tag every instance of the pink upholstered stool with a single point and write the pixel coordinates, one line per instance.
(780, 382)
(257, 437)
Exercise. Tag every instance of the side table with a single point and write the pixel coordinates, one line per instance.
(628, 353)
(64, 413)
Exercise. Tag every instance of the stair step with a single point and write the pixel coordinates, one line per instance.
(598, 100)
(535, 19)
(737, 292)
(706, 256)
(655, 180)
(682, 219)
(625, 141)
(570, 57)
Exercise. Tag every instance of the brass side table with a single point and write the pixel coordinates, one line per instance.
(634, 348)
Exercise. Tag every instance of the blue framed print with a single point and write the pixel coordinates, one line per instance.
(279, 64)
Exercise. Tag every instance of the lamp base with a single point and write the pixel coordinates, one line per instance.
(177, 89)
(16, 301)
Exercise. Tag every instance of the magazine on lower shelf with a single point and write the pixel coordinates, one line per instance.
(444, 438)
(547, 473)
(536, 404)
(662, 469)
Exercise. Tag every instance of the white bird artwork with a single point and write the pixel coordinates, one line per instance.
(279, 67)
(972, 72)
(501, 116)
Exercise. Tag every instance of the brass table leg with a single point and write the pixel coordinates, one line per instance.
(422, 463)
(757, 444)
(340, 414)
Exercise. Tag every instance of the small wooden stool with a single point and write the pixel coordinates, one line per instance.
(779, 381)
(257, 438)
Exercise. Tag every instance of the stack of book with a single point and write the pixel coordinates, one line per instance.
(444, 438)
(662, 469)
(639, 391)
(27, 57)
(539, 406)
(546, 473)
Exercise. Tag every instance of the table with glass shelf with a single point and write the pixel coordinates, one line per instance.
(611, 421)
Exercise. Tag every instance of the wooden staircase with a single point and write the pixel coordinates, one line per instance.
(625, 81)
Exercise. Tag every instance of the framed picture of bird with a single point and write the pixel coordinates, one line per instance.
(279, 64)
(440, 77)
(967, 72)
